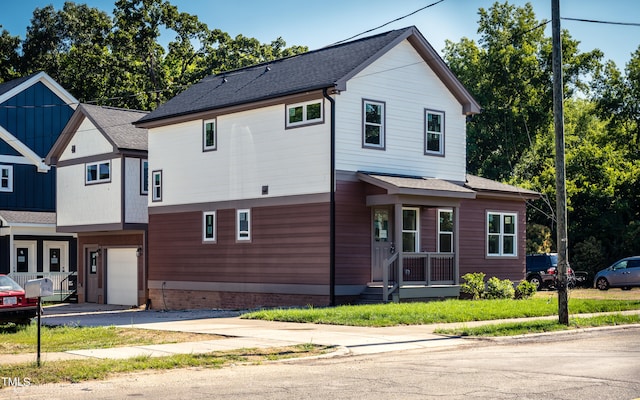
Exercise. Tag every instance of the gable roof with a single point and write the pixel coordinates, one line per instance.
(115, 124)
(329, 67)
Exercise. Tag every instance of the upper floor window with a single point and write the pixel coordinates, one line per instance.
(309, 112)
(445, 231)
(6, 178)
(244, 225)
(209, 226)
(501, 234)
(144, 176)
(434, 132)
(156, 179)
(373, 134)
(98, 172)
(209, 135)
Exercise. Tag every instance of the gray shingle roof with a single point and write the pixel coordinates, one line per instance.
(117, 125)
(28, 217)
(487, 185)
(324, 68)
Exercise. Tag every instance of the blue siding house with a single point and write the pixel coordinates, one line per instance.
(33, 112)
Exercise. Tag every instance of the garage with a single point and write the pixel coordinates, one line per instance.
(122, 277)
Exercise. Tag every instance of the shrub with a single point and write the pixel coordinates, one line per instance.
(525, 290)
(473, 285)
(497, 289)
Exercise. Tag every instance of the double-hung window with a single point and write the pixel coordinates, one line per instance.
(156, 186)
(144, 177)
(410, 230)
(501, 234)
(434, 132)
(6, 178)
(243, 223)
(209, 135)
(98, 172)
(445, 231)
(209, 226)
(310, 112)
(373, 121)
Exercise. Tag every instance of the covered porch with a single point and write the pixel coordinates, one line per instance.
(415, 256)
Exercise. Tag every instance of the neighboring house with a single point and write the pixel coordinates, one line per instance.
(33, 111)
(307, 180)
(101, 159)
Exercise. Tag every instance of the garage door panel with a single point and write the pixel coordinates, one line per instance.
(122, 277)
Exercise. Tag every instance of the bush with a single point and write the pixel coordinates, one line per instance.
(473, 285)
(497, 289)
(525, 290)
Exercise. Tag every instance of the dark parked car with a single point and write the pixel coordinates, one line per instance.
(542, 271)
(14, 306)
(623, 273)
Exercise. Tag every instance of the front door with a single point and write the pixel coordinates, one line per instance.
(92, 276)
(382, 240)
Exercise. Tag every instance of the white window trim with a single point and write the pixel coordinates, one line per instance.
(155, 196)
(239, 233)
(144, 190)
(9, 187)
(98, 179)
(440, 231)
(502, 235)
(204, 135)
(440, 152)
(382, 124)
(416, 231)
(305, 119)
(204, 226)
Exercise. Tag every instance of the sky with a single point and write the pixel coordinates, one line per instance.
(322, 22)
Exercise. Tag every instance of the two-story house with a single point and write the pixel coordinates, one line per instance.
(33, 111)
(306, 180)
(101, 160)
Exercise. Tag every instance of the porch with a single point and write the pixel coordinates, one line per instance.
(65, 284)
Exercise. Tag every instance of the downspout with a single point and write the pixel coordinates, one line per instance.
(332, 204)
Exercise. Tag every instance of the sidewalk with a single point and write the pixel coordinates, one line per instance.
(240, 333)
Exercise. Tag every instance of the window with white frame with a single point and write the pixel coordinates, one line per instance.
(373, 129)
(310, 112)
(209, 135)
(501, 234)
(434, 132)
(209, 226)
(156, 187)
(98, 172)
(243, 222)
(410, 230)
(445, 231)
(6, 178)
(144, 176)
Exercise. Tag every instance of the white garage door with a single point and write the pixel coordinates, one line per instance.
(122, 277)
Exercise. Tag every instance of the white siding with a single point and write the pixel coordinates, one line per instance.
(254, 149)
(135, 202)
(80, 204)
(402, 80)
(88, 141)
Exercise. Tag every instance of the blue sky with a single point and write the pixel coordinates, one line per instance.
(320, 23)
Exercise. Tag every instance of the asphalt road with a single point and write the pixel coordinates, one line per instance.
(598, 364)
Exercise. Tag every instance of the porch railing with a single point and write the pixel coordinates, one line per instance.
(64, 283)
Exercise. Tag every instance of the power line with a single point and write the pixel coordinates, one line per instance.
(601, 22)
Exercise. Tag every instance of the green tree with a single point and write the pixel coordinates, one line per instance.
(9, 57)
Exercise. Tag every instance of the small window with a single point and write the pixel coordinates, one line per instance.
(501, 234)
(434, 132)
(98, 172)
(445, 231)
(209, 226)
(373, 134)
(306, 113)
(6, 178)
(157, 186)
(410, 230)
(144, 176)
(209, 135)
(244, 225)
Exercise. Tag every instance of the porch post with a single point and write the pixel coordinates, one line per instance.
(398, 237)
(456, 245)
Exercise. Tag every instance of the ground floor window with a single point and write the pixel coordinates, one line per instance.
(501, 234)
(410, 230)
(445, 231)
(244, 225)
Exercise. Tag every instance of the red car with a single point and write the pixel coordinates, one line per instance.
(14, 306)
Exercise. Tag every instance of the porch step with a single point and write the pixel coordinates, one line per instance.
(371, 295)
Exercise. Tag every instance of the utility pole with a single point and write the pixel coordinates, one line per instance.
(561, 190)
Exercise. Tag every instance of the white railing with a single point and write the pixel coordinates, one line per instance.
(63, 284)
